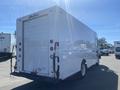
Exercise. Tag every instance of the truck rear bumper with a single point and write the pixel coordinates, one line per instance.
(36, 77)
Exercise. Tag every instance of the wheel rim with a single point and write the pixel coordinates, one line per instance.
(83, 70)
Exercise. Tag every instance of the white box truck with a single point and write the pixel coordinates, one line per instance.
(5, 44)
(117, 49)
(53, 44)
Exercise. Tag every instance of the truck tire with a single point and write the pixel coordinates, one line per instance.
(83, 71)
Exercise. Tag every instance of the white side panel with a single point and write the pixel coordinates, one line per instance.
(77, 42)
(19, 43)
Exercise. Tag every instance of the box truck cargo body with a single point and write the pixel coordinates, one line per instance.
(54, 44)
(5, 43)
(117, 49)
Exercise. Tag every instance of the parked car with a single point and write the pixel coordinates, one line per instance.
(111, 51)
(104, 52)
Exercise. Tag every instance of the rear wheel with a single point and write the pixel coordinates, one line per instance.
(83, 70)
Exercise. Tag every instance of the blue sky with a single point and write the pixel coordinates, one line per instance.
(103, 16)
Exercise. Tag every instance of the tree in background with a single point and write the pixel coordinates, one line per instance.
(103, 44)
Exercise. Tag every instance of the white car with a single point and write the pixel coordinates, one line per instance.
(104, 52)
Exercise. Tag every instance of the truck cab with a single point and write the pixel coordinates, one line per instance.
(117, 49)
(117, 52)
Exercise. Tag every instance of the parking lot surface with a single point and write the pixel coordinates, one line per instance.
(103, 77)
